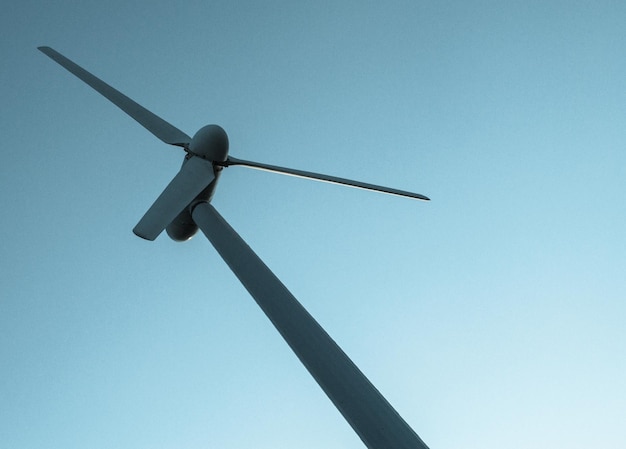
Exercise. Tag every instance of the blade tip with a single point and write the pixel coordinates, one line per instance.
(418, 196)
(142, 235)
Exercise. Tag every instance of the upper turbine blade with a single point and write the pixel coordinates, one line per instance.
(194, 176)
(165, 131)
(361, 404)
(324, 178)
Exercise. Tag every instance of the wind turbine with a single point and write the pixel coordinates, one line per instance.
(184, 206)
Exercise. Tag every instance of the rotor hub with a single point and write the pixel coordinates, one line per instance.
(210, 142)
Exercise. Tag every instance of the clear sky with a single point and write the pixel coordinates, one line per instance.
(491, 317)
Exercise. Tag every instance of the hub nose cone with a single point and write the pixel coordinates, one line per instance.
(210, 142)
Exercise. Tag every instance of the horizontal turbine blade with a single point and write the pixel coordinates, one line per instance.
(194, 176)
(361, 404)
(165, 131)
(324, 178)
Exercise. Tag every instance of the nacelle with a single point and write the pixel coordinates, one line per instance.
(182, 228)
(210, 142)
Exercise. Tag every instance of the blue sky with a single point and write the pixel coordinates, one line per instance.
(491, 317)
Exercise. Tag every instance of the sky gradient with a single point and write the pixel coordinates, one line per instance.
(491, 317)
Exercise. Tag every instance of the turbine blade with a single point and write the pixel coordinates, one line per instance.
(365, 409)
(165, 131)
(194, 176)
(324, 178)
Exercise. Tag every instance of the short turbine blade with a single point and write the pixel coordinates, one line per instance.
(324, 178)
(165, 131)
(194, 176)
(365, 409)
